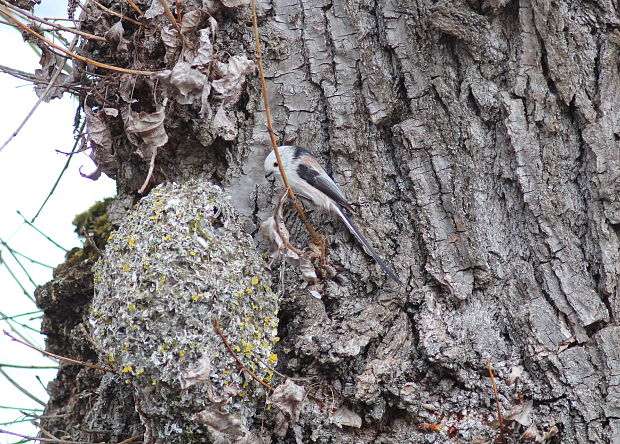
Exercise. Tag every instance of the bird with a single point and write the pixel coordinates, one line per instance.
(313, 185)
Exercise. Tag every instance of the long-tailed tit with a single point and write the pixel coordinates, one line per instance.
(311, 183)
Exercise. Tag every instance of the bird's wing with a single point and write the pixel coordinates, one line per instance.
(362, 240)
(322, 182)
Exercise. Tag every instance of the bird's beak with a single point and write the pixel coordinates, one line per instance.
(268, 175)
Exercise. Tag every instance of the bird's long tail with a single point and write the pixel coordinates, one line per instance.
(362, 240)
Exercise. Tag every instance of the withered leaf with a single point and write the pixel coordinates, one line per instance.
(170, 37)
(100, 140)
(188, 81)
(346, 417)
(307, 268)
(190, 21)
(116, 38)
(46, 72)
(288, 397)
(222, 422)
(235, 3)
(233, 76)
(204, 54)
(223, 125)
(521, 413)
(155, 10)
(146, 130)
(196, 374)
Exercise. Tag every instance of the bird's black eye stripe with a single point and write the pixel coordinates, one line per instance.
(275, 164)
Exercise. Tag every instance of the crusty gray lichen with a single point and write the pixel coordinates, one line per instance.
(178, 262)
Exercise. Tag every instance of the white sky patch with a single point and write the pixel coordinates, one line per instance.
(29, 166)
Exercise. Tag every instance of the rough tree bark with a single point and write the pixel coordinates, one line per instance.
(479, 143)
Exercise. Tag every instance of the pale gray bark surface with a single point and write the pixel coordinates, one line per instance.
(479, 143)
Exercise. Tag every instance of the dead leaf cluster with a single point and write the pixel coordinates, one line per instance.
(192, 72)
(277, 236)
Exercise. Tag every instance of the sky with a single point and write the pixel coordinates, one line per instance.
(29, 166)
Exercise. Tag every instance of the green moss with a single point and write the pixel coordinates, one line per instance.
(94, 224)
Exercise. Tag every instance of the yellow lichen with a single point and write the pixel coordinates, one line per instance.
(127, 369)
(273, 358)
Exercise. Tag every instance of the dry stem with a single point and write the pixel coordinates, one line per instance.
(259, 58)
(54, 25)
(73, 55)
(499, 410)
(62, 358)
(118, 14)
(216, 326)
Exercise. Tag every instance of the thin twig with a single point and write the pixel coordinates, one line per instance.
(42, 97)
(34, 438)
(36, 367)
(135, 7)
(12, 253)
(216, 326)
(77, 56)
(64, 168)
(60, 19)
(53, 25)
(46, 433)
(17, 281)
(276, 219)
(15, 252)
(11, 321)
(118, 14)
(259, 58)
(499, 409)
(270, 367)
(38, 312)
(173, 20)
(21, 389)
(32, 409)
(40, 232)
(133, 438)
(62, 358)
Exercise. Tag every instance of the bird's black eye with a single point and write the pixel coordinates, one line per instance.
(275, 164)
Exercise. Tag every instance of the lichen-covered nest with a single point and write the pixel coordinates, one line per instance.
(179, 262)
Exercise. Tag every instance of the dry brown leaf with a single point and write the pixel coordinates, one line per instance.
(196, 374)
(126, 88)
(188, 82)
(115, 37)
(155, 10)
(233, 75)
(100, 140)
(345, 417)
(230, 391)
(516, 374)
(190, 21)
(205, 108)
(307, 268)
(269, 233)
(48, 67)
(521, 413)
(235, 3)
(203, 56)
(146, 130)
(288, 397)
(223, 125)
(222, 422)
(170, 37)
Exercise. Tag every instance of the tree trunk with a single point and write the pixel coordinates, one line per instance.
(479, 144)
